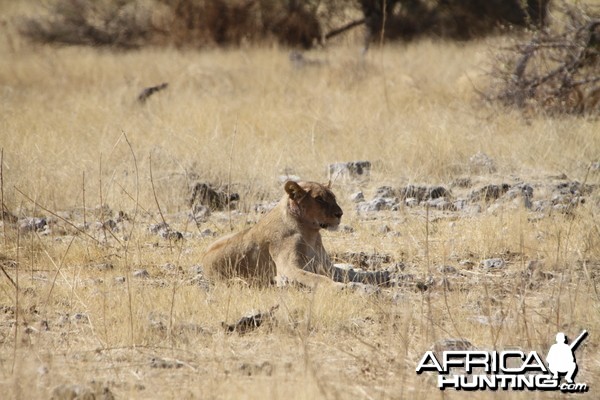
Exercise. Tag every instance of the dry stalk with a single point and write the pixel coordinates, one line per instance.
(126, 249)
(308, 365)
(59, 271)
(523, 313)
(229, 175)
(162, 217)
(572, 220)
(10, 279)
(2, 213)
(175, 286)
(83, 198)
(560, 289)
(445, 291)
(2, 196)
(383, 70)
(16, 305)
(58, 268)
(591, 281)
(101, 201)
(145, 210)
(427, 239)
(487, 309)
(31, 256)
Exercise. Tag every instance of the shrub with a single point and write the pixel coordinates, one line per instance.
(296, 23)
(456, 19)
(121, 23)
(197, 23)
(557, 70)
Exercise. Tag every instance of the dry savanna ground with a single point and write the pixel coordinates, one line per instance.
(93, 301)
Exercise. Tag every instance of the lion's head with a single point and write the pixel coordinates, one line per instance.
(313, 205)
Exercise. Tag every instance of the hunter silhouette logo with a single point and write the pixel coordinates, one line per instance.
(560, 357)
(508, 369)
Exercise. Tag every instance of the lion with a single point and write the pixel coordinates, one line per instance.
(285, 246)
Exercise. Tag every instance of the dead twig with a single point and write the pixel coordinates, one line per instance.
(149, 91)
(250, 322)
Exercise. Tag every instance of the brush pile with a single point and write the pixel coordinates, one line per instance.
(557, 71)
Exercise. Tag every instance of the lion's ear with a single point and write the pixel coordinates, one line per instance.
(294, 190)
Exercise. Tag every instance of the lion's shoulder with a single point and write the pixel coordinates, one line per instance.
(290, 231)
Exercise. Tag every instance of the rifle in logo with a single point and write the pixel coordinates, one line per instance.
(561, 357)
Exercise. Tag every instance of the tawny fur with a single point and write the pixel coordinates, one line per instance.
(285, 244)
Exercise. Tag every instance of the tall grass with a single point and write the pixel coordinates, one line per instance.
(65, 109)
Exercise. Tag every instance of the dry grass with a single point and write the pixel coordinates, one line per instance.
(246, 116)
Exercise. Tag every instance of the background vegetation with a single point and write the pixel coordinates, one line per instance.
(201, 23)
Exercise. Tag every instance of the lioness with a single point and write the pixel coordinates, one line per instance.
(286, 244)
